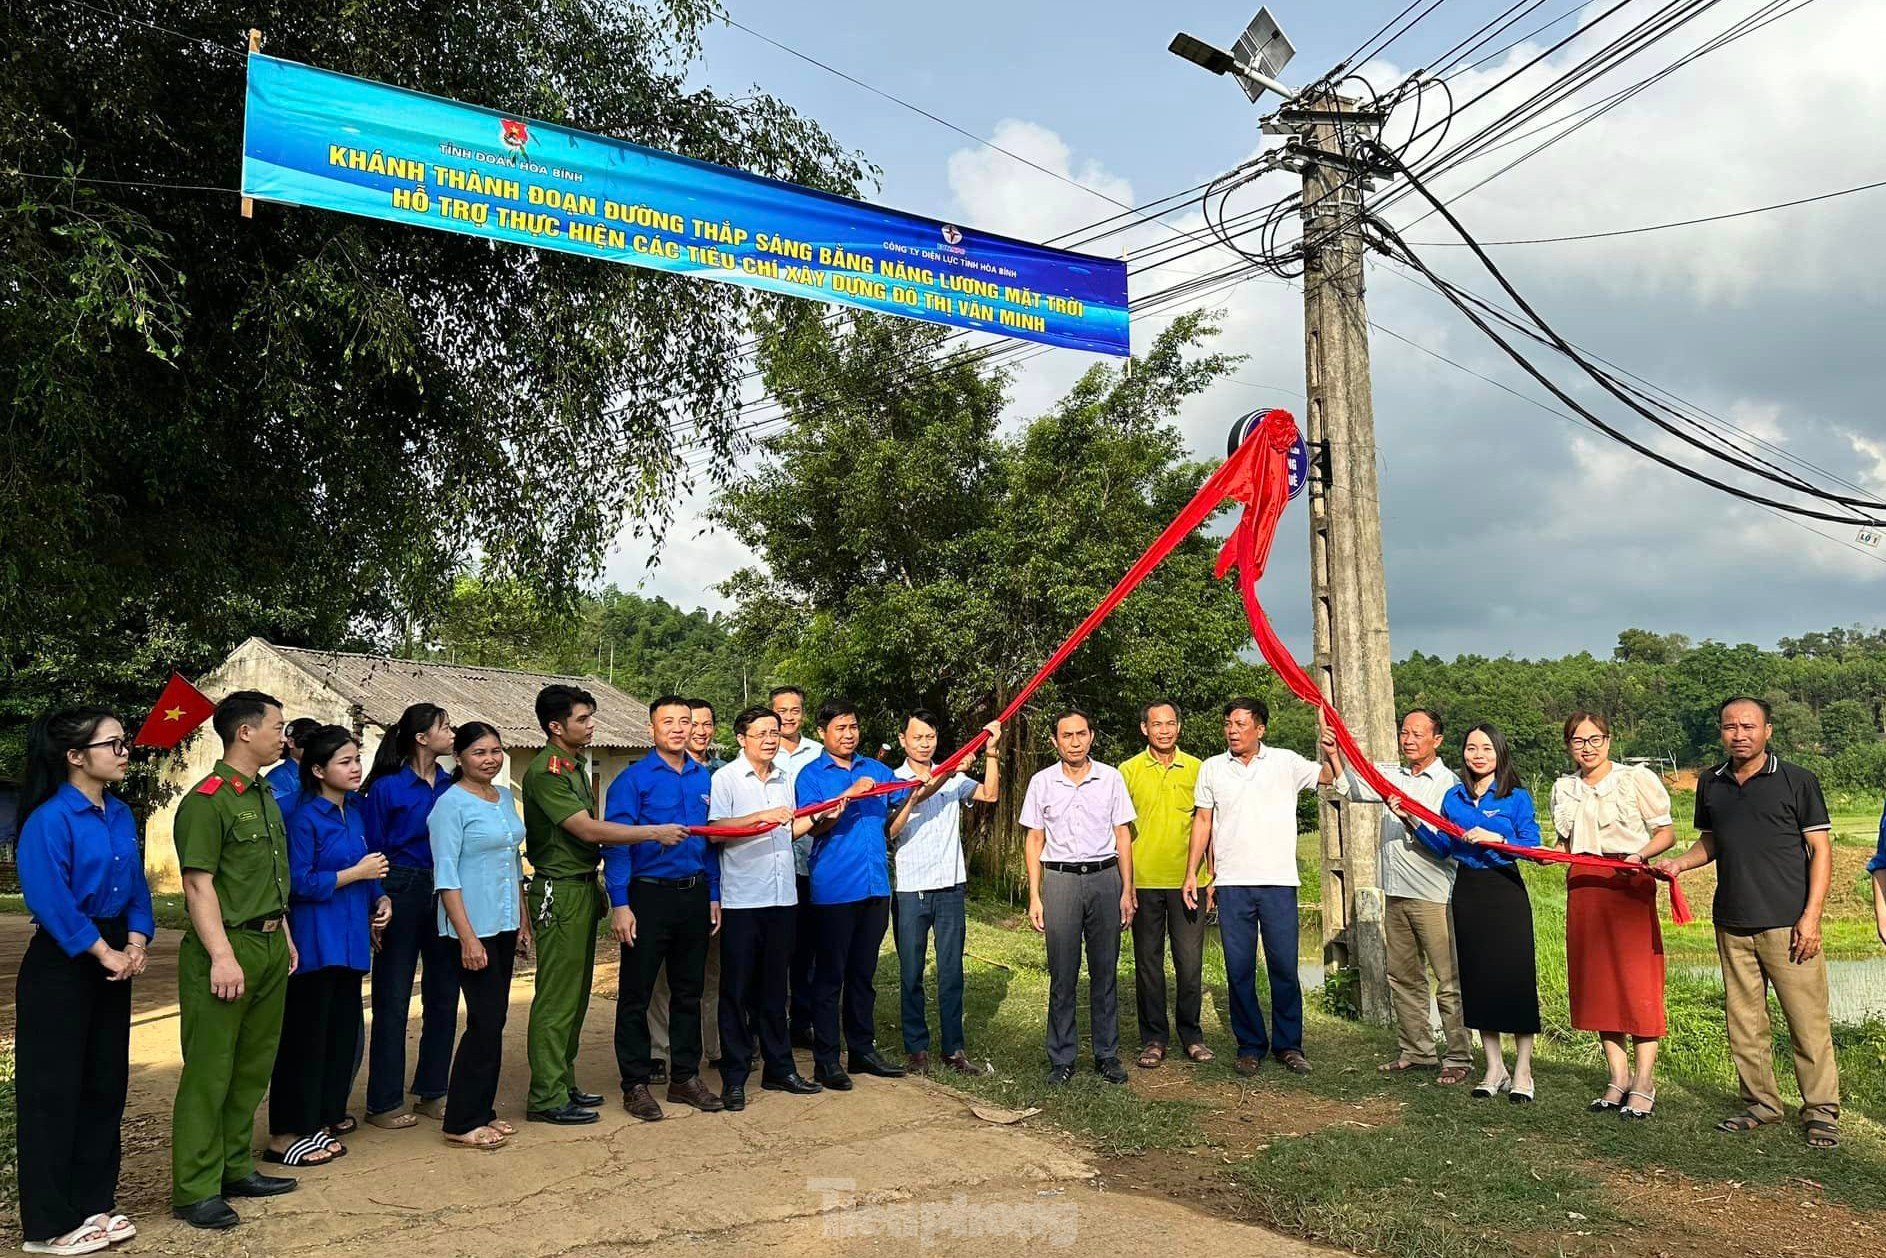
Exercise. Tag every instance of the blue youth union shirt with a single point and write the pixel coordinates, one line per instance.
(78, 862)
(651, 792)
(395, 812)
(332, 925)
(1511, 817)
(850, 861)
(284, 781)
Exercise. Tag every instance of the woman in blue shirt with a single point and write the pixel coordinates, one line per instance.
(334, 905)
(400, 791)
(1491, 912)
(476, 830)
(83, 876)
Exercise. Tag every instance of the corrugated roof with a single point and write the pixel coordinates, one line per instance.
(383, 687)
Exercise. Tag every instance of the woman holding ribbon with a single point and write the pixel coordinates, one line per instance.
(1491, 912)
(83, 879)
(1613, 945)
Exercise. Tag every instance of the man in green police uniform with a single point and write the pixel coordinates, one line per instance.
(563, 838)
(233, 970)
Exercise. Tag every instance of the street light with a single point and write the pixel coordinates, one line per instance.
(1260, 54)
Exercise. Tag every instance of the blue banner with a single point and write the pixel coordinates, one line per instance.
(316, 138)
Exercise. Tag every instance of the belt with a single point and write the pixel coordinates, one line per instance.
(1081, 867)
(677, 884)
(261, 925)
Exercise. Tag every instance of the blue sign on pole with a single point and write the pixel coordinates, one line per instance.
(1297, 466)
(316, 138)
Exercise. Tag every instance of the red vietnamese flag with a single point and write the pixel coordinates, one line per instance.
(180, 709)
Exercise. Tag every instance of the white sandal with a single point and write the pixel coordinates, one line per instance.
(86, 1238)
(116, 1227)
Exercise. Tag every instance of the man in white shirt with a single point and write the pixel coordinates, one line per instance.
(1079, 848)
(1247, 815)
(758, 914)
(1416, 886)
(927, 838)
(796, 751)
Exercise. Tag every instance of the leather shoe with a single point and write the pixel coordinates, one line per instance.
(585, 1100)
(960, 1063)
(1110, 1069)
(796, 1084)
(873, 1063)
(658, 1073)
(834, 1078)
(918, 1064)
(1248, 1066)
(568, 1116)
(734, 1099)
(694, 1092)
(256, 1184)
(1060, 1076)
(1294, 1061)
(801, 1037)
(641, 1103)
(211, 1212)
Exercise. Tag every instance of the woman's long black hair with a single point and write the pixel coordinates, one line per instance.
(463, 737)
(396, 749)
(47, 740)
(1505, 776)
(317, 750)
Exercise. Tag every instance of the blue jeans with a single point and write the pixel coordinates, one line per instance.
(411, 938)
(917, 914)
(1245, 914)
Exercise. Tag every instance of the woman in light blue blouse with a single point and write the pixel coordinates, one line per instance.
(476, 831)
(83, 877)
(1491, 912)
(334, 904)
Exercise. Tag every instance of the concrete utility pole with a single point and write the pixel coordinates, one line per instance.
(1348, 590)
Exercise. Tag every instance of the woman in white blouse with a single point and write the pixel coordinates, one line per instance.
(1613, 943)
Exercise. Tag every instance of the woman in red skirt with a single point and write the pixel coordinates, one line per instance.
(1613, 945)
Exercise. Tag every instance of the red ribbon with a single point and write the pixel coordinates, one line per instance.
(1257, 476)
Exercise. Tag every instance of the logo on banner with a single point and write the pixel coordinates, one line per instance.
(952, 234)
(514, 133)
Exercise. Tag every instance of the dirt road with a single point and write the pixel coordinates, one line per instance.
(894, 1165)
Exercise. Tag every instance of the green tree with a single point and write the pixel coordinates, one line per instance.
(1846, 724)
(303, 425)
(913, 555)
(1640, 646)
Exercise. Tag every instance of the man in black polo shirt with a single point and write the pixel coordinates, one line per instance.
(1764, 823)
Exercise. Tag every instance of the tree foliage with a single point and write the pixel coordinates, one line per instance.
(304, 424)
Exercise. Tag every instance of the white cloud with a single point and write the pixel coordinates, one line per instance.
(1507, 529)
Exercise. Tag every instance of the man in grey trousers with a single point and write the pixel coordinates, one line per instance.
(1080, 891)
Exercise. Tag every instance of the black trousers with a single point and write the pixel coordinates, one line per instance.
(473, 1090)
(756, 949)
(849, 936)
(805, 961)
(71, 1058)
(1162, 915)
(671, 926)
(314, 1067)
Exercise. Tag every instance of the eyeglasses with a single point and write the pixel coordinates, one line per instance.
(1596, 740)
(119, 746)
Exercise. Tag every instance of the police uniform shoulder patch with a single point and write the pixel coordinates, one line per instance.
(554, 766)
(210, 785)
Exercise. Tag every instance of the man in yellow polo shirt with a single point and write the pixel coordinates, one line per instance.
(1161, 781)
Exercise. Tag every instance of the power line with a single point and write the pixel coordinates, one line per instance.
(1657, 227)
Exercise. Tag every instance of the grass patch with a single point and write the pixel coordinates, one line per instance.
(9, 1169)
(1442, 1176)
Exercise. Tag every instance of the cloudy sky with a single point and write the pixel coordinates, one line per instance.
(1508, 529)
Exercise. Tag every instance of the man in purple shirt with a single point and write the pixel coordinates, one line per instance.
(1080, 890)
